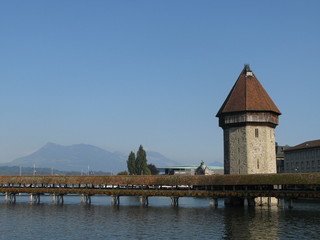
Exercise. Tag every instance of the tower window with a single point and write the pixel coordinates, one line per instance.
(256, 132)
(258, 165)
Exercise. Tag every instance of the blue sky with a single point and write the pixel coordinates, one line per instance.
(117, 74)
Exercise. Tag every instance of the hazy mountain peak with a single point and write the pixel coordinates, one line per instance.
(51, 144)
(81, 157)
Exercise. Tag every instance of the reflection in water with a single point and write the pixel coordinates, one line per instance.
(193, 219)
(251, 223)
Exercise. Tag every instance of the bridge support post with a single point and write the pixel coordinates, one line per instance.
(250, 201)
(214, 202)
(281, 203)
(115, 200)
(35, 198)
(10, 197)
(144, 201)
(266, 201)
(290, 203)
(86, 199)
(269, 201)
(57, 198)
(175, 201)
(234, 201)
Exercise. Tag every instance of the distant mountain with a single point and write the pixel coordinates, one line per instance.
(15, 170)
(78, 157)
(159, 160)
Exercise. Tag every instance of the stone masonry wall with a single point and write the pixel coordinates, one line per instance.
(235, 146)
(249, 150)
(261, 149)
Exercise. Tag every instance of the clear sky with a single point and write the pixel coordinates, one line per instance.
(117, 74)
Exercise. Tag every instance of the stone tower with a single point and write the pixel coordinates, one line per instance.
(248, 117)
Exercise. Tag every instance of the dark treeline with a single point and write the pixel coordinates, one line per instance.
(138, 164)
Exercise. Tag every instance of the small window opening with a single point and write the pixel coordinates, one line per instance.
(256, 132)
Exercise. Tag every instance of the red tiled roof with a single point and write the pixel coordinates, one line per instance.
(309, 144)
(248, 94)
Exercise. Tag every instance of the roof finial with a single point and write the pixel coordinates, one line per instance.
(247, 67)
(248, 71)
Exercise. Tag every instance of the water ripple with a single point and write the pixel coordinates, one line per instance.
(194, 219)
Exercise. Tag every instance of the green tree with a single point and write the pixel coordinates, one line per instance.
(153, 169)
(131, 163)
(141, 162)
(123, 173)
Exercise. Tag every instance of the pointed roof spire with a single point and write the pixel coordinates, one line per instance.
(246, 95)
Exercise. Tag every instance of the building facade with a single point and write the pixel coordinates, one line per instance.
(190, 170)
(248, 118)
(280, 157)
(203, 170)
(304, 157)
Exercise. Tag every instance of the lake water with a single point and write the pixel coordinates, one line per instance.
(193, 219)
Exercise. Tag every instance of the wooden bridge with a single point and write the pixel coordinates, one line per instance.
(239, 188)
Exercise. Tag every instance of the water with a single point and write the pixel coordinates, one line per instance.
(193, 219)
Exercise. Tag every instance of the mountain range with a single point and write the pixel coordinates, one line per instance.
(84, 158)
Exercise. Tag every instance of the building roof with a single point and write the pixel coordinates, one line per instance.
(248, 94)
(190, 167)
(305, 145)
(280, 151)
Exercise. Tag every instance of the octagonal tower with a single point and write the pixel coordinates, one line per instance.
(248, 118)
